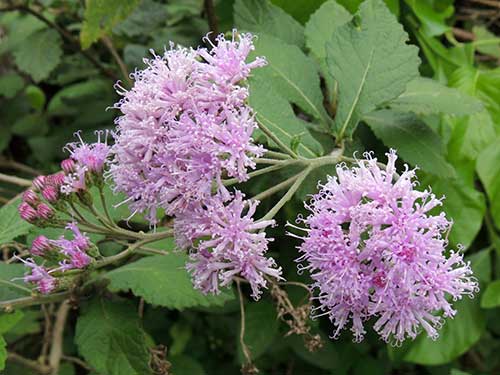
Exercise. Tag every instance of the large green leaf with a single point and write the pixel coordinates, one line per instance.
(412, 138)
(101, 16)
(319, 30)
(39, 54)
(455, 338)
(276, 113)
(371, 62)
(262, 17)
(147, 17)
(163, 280)
(426, 96)
(488, 169)
(491, 296)
(10, 84)
(292, 75)
(11, 225)
(11, 284)
(463, 204)
(322, 25)
(299, 9)
(261, 327)
(110, 338)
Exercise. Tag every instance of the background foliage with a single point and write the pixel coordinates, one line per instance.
(58, 63)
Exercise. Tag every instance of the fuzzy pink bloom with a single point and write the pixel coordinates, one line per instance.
(27, 213)
(40, 246)
(44, 211)
(185, 124)
(92, 156)
(227, 243)
(74, 249)
(39, 276)
(374, 251)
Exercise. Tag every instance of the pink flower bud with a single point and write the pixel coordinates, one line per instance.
(39, 182)
(68, 165)
(50, 193)
(40, 246)
(30, 197)
(44, 211)
(27, 212)
(56, 179)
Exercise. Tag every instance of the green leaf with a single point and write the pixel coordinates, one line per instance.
(470, 135)
(277, 114)
(426, 96)
(292, 75)
(491, 296)
(433, 20)
(110, 338)
(101, 16)
(261, 327)
(455, 338)
(463, 204)
(262, 17)
(11, 284)
(319, 30)
(35, 96)
(39, 54)
(480, 263)
(3, 352)
(11, 225)
(31, 125)
(371, 62)
(148, 16)
(19, 27)
(417, 143)
(483, 41)
(10, 84)
(299, 9)
(488, 169)
(322, 25)
(163, 280)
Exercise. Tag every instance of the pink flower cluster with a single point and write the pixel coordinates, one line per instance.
(228, 242)
(185, 126)
(374, 251)
(32, 209)
(65, 253)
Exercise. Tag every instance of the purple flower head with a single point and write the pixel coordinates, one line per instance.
(374, 251)
(93, 156)
(50, 193)
(40, 246)
(76, 181)
(185, 125)
(30, 197)
(44, 211)
(27, 212)
(74, 249)
(39, 182)
(228, 243)
(39, 276)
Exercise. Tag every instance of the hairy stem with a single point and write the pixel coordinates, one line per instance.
(15, 180)
(278, 141)
(56, 349)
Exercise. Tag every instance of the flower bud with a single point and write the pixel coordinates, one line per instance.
(30, 197)
(40, 246)
(39, 182)
(50, 193)
(27, 213)
(44, 211)
(56, 179)
(68, 165)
